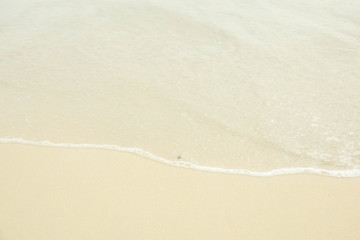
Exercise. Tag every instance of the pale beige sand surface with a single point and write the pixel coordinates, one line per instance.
(57, 193)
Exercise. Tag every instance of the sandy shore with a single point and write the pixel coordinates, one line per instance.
(56, 193)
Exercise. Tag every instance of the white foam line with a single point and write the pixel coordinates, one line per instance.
(140, 152)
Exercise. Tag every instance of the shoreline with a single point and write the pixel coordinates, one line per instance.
(61, 193)
(354, 173)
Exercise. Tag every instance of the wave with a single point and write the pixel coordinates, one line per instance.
(275, 172)
(240, 88)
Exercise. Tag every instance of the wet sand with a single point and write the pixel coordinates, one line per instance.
(58, 193)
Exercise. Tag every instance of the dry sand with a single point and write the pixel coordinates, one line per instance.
(56, 193)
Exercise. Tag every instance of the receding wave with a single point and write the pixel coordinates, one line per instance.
(257, 88)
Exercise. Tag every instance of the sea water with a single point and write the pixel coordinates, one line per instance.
(246, 87)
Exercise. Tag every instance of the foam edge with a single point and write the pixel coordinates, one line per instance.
(275, 172)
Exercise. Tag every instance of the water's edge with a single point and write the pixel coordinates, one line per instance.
(183, 164)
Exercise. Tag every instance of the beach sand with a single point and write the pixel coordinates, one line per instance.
(58, 193)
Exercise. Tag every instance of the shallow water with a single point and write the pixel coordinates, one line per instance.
(259, 88)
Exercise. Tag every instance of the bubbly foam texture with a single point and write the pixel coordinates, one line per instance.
(246, 87)
(139, 152)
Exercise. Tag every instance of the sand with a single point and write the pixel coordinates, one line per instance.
(59, 193)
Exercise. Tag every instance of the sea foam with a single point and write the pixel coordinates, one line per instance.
(145, 154)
